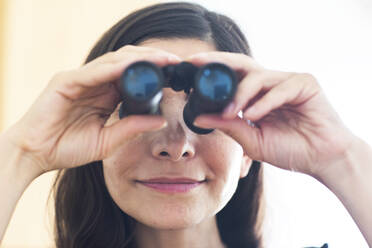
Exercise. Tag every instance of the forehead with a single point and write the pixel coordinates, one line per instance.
(180, 47)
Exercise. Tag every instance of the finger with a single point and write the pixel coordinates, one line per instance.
(117, 65)
(239, 62)
(255, 78)
(247, 136)
(250, 86)
(293, 91)
(112, 136)
(74, 83)
(130, 50)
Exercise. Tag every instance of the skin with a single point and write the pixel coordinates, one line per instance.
(180, 219)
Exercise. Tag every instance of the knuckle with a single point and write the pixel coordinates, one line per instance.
(106, 56)
(59, 77)
(112, 56)
(309, 79)
(119, 53)
(63, 79)
(127, 48)
(109, 54)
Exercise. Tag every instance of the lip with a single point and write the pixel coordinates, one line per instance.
(171, 180)
(171, 185)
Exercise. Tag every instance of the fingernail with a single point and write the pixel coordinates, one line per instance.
(199, 122)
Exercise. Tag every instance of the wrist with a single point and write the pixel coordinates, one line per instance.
(350, 180)
(355, 164)
(16, 173)
(15, 163)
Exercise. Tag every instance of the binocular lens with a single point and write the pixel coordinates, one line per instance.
(141, 89)
(215, 84)
(142, 81)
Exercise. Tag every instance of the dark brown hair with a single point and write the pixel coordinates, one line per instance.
(85, 214)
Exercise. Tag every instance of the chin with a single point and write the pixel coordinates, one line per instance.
(170, 223)
(171, 217)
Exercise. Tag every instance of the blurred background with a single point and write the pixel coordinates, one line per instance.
(329, 39)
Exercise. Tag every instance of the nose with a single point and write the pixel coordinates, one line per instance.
(174, 145)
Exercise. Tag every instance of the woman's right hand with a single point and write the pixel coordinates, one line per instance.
(65, 126)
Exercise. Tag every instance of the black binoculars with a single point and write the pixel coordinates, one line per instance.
(210, 88)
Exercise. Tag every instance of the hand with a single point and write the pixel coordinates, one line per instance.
(65, 128)
(295, 129)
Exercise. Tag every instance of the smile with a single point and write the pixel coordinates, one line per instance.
(167, 186)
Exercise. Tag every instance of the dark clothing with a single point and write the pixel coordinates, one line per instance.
(324, 246)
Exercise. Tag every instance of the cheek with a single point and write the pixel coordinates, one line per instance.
(224, 159)
(119, 169)
(223, 155)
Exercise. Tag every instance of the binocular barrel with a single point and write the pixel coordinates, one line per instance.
(141, 88)
(210, 87)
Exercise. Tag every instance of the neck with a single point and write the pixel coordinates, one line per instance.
(202, 235)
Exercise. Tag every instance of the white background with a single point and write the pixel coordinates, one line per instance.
(333, 41)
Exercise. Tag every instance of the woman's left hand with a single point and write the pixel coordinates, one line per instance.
(296, 128)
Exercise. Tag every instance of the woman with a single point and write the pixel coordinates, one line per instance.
(149, 181)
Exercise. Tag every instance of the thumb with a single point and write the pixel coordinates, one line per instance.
(117, 133)
(241, 130)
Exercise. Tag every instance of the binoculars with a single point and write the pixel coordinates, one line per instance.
(210, 88)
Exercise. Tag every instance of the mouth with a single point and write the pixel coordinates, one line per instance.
(171, 185)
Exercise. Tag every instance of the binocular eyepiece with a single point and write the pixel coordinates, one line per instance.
(210, 89)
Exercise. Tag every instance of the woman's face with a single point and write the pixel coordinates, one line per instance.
(215, 160)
